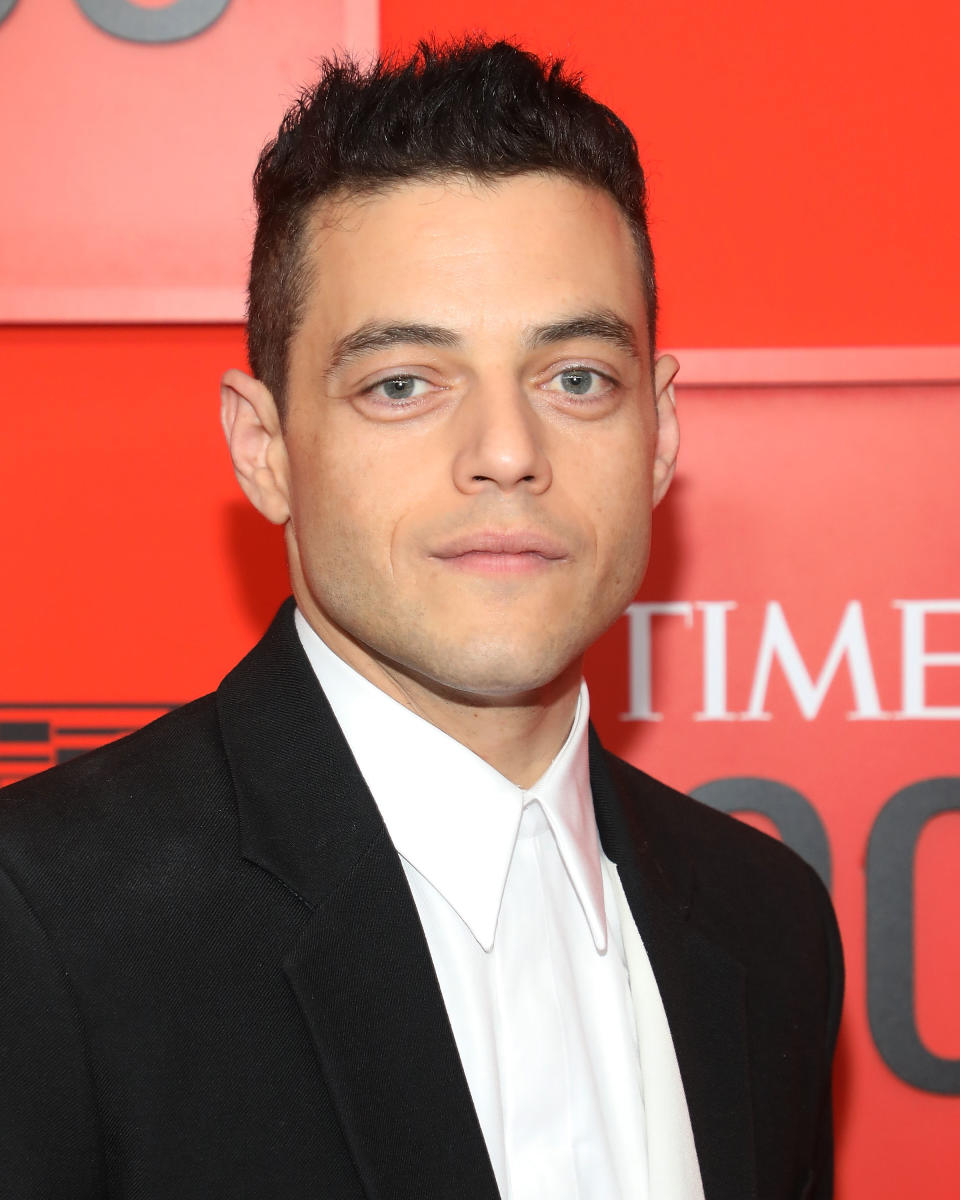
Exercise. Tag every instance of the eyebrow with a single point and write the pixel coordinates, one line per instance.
(381, 335)
(602, 323)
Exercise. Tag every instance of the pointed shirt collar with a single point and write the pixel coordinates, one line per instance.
(452, 816)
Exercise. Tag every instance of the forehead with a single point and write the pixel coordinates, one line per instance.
(479, 257)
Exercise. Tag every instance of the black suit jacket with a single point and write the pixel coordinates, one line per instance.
(215, 983)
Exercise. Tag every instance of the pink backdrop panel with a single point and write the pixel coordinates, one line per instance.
(127, 165)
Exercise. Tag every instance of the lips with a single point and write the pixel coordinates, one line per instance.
(519, 542)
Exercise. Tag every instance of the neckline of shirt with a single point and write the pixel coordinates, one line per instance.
(453, 817)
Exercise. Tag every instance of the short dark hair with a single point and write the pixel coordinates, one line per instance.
(469, 107)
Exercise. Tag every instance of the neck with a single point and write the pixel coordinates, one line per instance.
(518, 735)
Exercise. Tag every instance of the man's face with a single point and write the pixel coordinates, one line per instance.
(472, 431)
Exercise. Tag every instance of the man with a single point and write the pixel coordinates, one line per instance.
(380, 917)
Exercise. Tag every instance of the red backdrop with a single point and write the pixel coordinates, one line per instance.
(803, 195)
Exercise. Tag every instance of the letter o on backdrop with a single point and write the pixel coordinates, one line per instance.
(173, 23)
(890, 940)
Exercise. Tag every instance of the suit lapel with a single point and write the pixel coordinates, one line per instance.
(381, 1031)
(360, 969)
(701, 984)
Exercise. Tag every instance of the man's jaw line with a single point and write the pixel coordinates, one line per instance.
(406, 684)
(500, 727)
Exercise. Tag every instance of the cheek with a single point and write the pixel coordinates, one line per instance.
(620, 487)
(621, 513)
(345, 516)
(322, 508)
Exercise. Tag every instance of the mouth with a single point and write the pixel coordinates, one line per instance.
(501, 552)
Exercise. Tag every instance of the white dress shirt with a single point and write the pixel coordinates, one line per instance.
(523, 925)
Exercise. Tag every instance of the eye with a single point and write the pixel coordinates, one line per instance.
(580, 381)
(398, 388)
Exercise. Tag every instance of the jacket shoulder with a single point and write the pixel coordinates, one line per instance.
(751, 888)
(186, 730)
(120, 799)
(705, 834)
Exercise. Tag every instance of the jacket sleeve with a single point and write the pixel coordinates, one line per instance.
(49, 1136)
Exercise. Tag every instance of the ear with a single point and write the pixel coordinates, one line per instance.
(252, 427)
(668, 430)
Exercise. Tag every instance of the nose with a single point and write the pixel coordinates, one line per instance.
(500, 443)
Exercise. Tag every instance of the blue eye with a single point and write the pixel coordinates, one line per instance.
(581, 381)
(401, 387)
(577, 383)
(397, 389)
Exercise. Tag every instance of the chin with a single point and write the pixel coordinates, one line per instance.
(496, 672)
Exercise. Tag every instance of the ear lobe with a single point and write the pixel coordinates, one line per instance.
(668, 429)
(251, 425)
